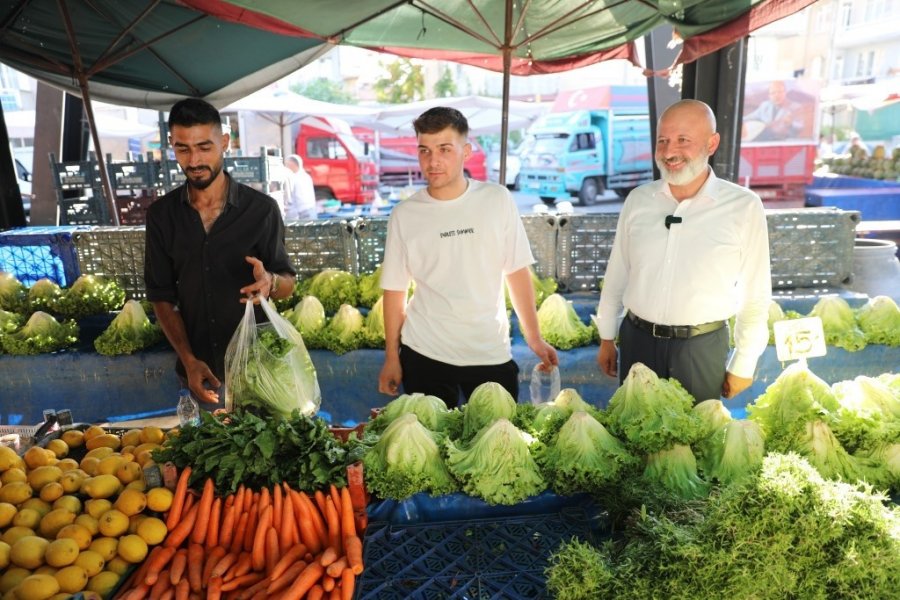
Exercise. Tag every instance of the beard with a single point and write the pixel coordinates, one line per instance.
(692, 169)
(202, 183)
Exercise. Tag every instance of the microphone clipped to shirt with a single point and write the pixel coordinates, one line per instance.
(671, 219)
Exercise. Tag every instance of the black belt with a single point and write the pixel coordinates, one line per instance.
(675, 331)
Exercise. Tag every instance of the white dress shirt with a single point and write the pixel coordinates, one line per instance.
(712, 265)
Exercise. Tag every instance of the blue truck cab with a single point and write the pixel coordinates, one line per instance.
(585, 152)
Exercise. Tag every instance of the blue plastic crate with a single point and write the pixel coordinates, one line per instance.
(498, 557)
(32, 253)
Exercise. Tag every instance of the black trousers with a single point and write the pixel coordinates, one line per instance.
(450, 382)
(698, 363)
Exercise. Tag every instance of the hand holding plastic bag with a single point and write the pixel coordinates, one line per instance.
(267, 366)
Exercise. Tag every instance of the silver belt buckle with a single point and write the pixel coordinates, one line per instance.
(653, 332)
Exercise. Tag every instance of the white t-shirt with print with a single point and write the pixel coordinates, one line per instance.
(457, 252)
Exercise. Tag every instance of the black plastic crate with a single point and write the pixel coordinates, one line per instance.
(501, 557)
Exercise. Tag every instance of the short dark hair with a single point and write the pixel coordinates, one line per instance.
(439, 118)
(193, 111)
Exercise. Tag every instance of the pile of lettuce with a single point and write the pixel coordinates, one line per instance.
(333, 287)
(41, 334)
(12, 293)
(561, 326)
(90, 295)
(782, 532)
(130, 331)
(875, 322)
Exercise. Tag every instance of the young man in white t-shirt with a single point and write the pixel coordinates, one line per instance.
(458, 240)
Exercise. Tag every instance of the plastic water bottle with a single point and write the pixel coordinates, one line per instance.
(188, 409)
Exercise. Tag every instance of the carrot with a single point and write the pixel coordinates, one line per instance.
(226, 529)
(252, 523)
(222, 566)
(272, 550)
(259, 586)
(204, 510)
(156, 564)
(308, 578)
(162, 584)
(362, 521)
(335, 497)
(182, 529)
(327, 583)
(335, 593)
(212, 533)
(194, 556)
(356, 485)
(328, 556)
(178, 498)
(242, 566)
(240, 499)
(315, 593)
(247, 579)
(333, 521)
(213, 557)
(348, 525)
(258, 547)
(214, 591)
(317, 518)
(354, 549)
(237, 541)
(348, 582)
(289, 576)
(286, 530)
(189, 501)
(265, 499)
(183, 590)
(320, 500)
(277, 506)
(287, 558)
(179, 562)
(335, 568)
(305, 525)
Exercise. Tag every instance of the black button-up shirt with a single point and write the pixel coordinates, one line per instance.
(202, 273)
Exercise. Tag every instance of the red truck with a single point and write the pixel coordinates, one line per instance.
(398, 163)
(779, 138)
(340, 165)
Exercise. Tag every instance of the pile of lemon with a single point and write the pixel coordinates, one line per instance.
(70, 526)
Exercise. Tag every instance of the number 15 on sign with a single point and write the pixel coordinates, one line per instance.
(799, 339)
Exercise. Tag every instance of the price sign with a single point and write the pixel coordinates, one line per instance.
(798, 339)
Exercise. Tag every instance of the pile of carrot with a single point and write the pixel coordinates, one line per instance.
(278, 544)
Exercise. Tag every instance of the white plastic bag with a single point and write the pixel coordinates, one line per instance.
(544, 384)
(254, 376)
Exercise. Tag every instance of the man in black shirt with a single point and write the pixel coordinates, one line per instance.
(211, 245)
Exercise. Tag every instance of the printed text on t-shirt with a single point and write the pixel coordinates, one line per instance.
(455, 232)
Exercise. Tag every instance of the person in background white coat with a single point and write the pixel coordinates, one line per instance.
(299, 193)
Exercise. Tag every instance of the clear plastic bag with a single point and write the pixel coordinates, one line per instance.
(544, 384)
(267, 366)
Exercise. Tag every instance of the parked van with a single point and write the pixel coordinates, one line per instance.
(339, 164)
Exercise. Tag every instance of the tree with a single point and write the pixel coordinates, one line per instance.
(446, 85)
(325, 90)
(404, 82)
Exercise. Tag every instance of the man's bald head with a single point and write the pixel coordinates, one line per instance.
(692, 111)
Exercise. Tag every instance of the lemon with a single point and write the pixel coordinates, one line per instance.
(41, 476)
(12, 577)
(132, 548)
(118, 565)
(100, 486)
(91, 525)
(37, 504)
(54, 521)
(52, 491)
(79, 531)
(67, 464)
(72, 579)
(13, 534)
(4, 555)
(152, 435)
(13, 474)
(160, 499)
(61, 552)
(110, 464)
(129, 471)
(36, 457)
(73, 438)
(8, 458)
(132, 437)
(93, 431)
(58, 447)
(97, 506)
(7, 512)
(91, 562)
(27, 517)
(37, 587)
(16, 492)
(68, 502)
(105, 546)
(152, 530)
(113, 523)
(28, 552)
(131, 502)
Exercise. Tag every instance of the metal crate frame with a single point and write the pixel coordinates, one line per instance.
(584, 243)
(115, 253)
(542, 231)
(317, 245)
(371, 234)
(811, 247)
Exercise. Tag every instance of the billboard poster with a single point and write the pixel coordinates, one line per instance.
(781, 111)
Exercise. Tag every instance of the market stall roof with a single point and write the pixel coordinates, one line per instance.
(482, 113)
(21, 123)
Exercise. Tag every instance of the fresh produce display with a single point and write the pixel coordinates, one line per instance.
(782, 532)
(431, 411)
(550, 416)
(308, 317)
(332, 287)
(839, 323)
(732, 451)
(487, 403)
(879, 319)
(76, 514)
(242, 448)
(373, 328)
(130, 331)
(370, 288)
(543, 288)
(9, 321)
(560, 325)
(344, 331)
(271, 542)
(41, 333)
(90, 295)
